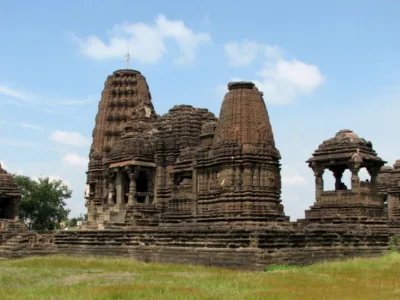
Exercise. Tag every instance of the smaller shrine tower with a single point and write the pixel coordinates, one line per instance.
(346, 151)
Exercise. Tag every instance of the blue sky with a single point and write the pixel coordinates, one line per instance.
(323, 67)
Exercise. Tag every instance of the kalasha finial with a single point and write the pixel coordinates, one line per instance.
(127, 58)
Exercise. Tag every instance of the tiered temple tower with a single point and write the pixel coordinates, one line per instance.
(124, 91)
(239, 176)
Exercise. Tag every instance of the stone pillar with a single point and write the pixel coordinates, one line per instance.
(374, 172)
(132, 188)
(111, 189)
(118, 187)
(105, 189)
(16, 203)
(338, 173)
(319, 181)
(355, 179)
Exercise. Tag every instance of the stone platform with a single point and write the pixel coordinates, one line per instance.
(239, 248)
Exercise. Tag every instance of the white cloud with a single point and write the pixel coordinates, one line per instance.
(30, 126)
(281, 80)
(69, 138)
(242, 54)
(73, 159)
(245, 52)
(13, 93)
(146, 42)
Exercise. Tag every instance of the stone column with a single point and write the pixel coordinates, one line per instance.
(105, 189)
(338, 173)
(355, 179)
(16, 209)
(132, 188)
(319, 181)
(118, 187)
(111, 188)
(374, 172)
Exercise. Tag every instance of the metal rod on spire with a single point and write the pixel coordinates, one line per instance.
(127, 58)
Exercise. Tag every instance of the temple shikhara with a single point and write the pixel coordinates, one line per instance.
(190, 187)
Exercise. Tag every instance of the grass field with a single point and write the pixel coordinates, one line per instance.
(63, 277)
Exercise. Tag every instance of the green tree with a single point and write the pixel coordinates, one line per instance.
(43, 203)
(73, 222)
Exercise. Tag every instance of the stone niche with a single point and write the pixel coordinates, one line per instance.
(346, 151)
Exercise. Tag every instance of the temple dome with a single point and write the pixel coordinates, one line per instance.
(8, 187)
(133, 146)
(345, 144)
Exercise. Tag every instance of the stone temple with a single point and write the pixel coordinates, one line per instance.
(184, 166)
(190, 187)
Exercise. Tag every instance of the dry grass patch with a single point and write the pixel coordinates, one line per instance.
(62, 277)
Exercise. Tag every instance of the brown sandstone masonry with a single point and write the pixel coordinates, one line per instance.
(188, 187)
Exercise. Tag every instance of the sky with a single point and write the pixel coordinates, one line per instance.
(323, 66)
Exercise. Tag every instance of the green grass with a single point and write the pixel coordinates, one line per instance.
(61, 277)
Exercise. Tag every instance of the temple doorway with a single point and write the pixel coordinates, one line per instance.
(125, 186)
(141, 187)
(6, 208)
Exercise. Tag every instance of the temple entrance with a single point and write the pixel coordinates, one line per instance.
(6, 208)
(141, 187)
(125, 186)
